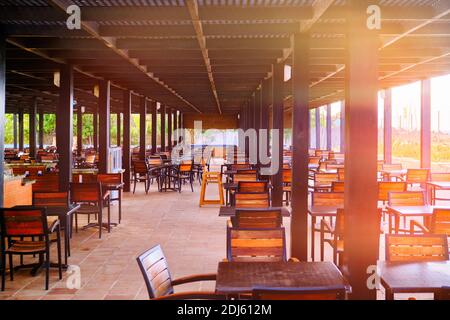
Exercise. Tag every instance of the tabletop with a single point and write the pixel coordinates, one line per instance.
(242, 277)
(411, 210)
(231, 211)
(394, 172)
(440, 184)
(414, 276)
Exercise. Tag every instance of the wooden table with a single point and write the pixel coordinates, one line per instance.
(242, 277)
(438, 185)
(414, 277)
(321, 212)
(408, 211)
(231, 211)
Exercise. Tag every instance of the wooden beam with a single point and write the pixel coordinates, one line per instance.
(95, 130)
(126, 140)
(169, 129)
(198, 27)
(104, 114)
(425, 124)
(142, 127)
(300, 143)
(32, 129)
(64, 127)
(362, 224)
(318, 144)
(329, 137)
(15, 130)
(342, 128)
(21, 129)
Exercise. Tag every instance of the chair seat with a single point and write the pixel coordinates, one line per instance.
(27, 247)
(87, 209)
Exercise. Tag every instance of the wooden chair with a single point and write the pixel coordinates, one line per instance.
(314, 160)
(244, 177)
(117, 180)
(384, 187)
(337, 186)
(253, 186)
(336, 232)
(414, 248)
(287, 185)
(250, 245)
(323, 181)
(341, 174)
(408, 198)
(91, 199)
(48, 182)
(27, 222)
(392, 167)
(84, 177)
(185, 173)
(240, 166)
(296, 294)
(252, 200)
(140, 174)
(327, 199)
(257, 218)
(440, 223)
(417, 176)
(154, 268)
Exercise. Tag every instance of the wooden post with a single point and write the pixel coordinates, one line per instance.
(163, 127)
(41, 129)
(362, 223)
(154, 125)
(387, 136)
(142, 127)
(180, 121)
(300, 142)
(277, 124)
(318, 146)
(266, 90)
(342, 128)
(95, 133)
(32, 129)
(79, 131)
(329, 137)
(104, 113)
(425, 128)
(20, 129)
(257, 120)
(175, 123)
(15, 130)
(169, 129)
(2, 110)
(126, 150)
(64, 127)
(119, 122)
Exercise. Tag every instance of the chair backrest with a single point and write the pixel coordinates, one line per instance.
(257, 218)
(417, 175)
(328, 199)
(321, 177)
(23, 221)
(392, 166)
(337, 186)
(314, 160)
(287, 176)
(440, 221)
(154, 268)
(384, 187)
(84, 177)
(440, 176)
(186, 166)
(339, 224)
(252, 199)
(86, 192)
(50, 199)
(110, 177)
(408, 248)
(253, 186)
(154, 162)
(247, 245)
(408, 198)
(322, 153)
(140, 167)
(296, 294)
(244, 177)
(48, 182)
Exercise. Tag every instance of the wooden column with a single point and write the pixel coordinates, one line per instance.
(64, 127)
(342, 128)
(79, 130)
(142, 127)
(266, 90)
(154, 125)
(15, 130)
(318, 129)
(41, 129)
(257, 120)
(300, 143)
(362, 224)
(329, 137)
(175, 123)
(119, 135)
(2, 110)
(32, 128)
(277, 124)
(126, 150)
(180, 121)
(163, 127)
(104, 113)
(387, 136)
(95, 125)
(169, 129)
(425, 128)
(20, 129)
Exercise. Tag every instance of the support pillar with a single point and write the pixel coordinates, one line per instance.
(126, 150)
(169, 129)
(154, 125)
(318, 147)
(142, 127)
(163, 127)
(329, 137)
(21, 129)
(387, 136)
(425, 128)
(41, 129)
(79, 131)
(32, 128)
(104, 112)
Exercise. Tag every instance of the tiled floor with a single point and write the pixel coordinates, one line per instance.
(192, 238)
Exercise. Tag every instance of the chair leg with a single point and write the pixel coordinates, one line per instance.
(100, 224)
(11, 267)
(59, 253)
(134, 185)
(109, 216)
(47, 269)
(3, 266)
(76, 222)
(120, 205)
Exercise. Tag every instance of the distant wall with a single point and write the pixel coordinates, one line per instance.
(211, 121)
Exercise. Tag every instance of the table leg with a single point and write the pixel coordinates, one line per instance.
(120, 205)
(313, 224)
(396, 223)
